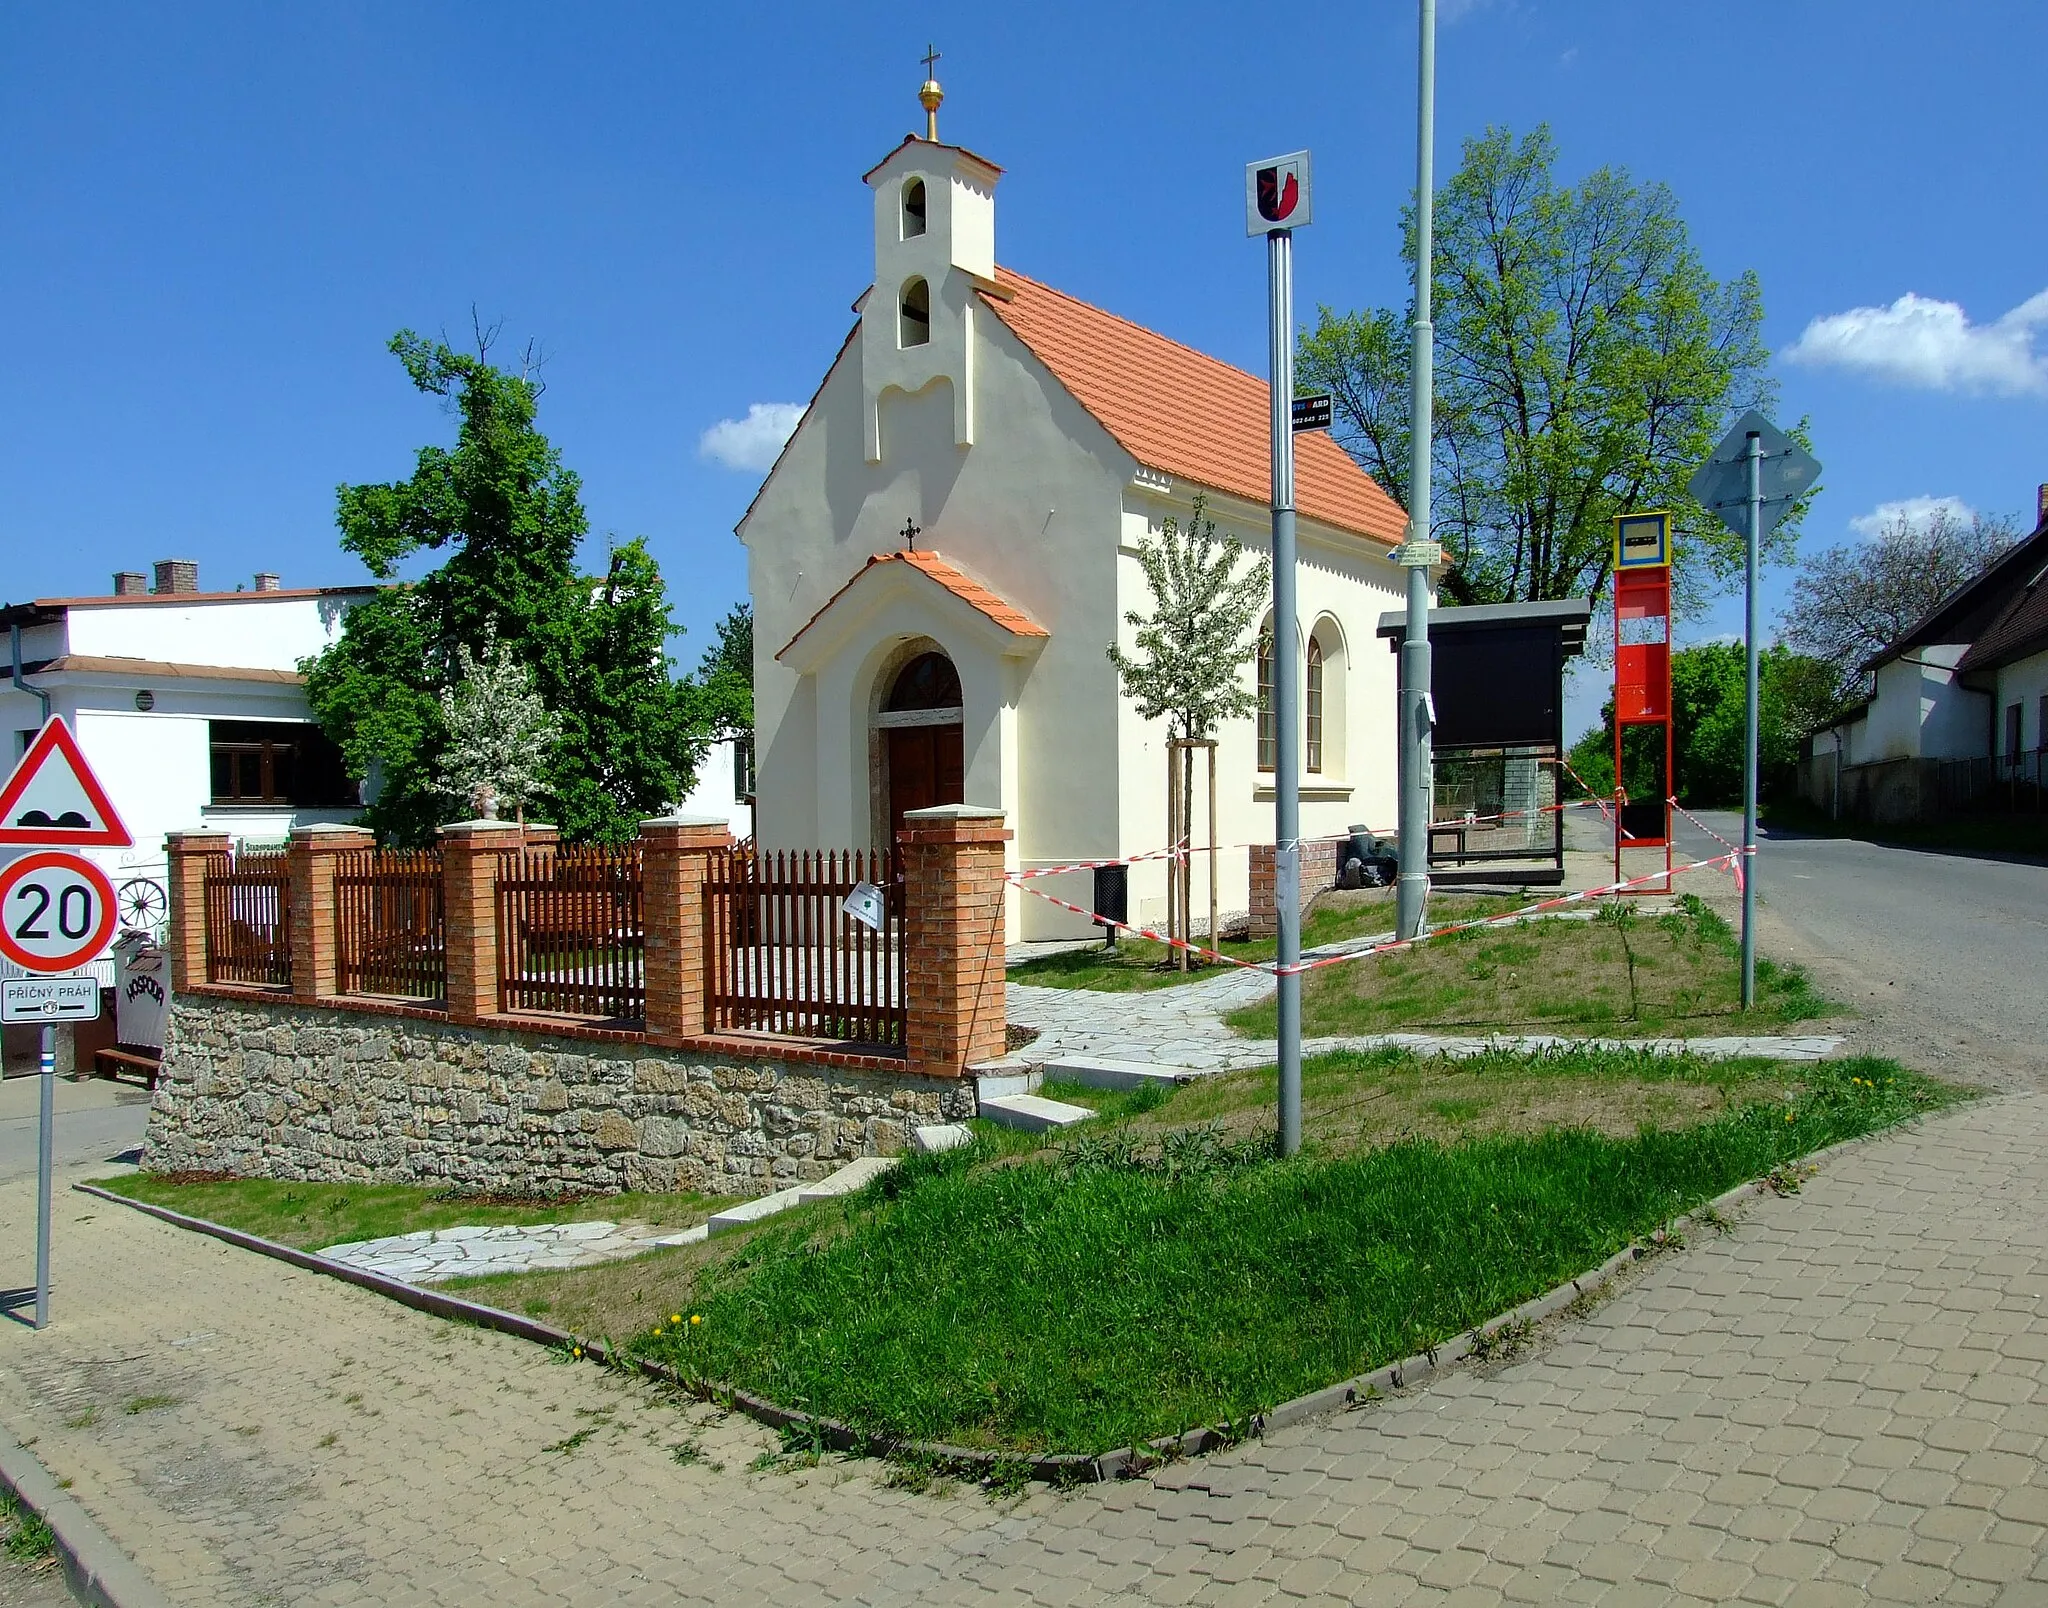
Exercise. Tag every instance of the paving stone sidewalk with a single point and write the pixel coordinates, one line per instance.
(1183, 1026)
(1841, 1399)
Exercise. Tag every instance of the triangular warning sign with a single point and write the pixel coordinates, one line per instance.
(53, 799)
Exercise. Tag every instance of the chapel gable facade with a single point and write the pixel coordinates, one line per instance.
(947, 546)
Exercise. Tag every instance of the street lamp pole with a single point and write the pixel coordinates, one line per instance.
(1419, 552)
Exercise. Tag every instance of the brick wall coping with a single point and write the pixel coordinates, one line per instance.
(751, 1047)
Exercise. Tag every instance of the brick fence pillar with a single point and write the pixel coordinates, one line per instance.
(953, 897)
(310, 865)
(1265, 908)
(675, 856)
(188, 853)
(470, 854)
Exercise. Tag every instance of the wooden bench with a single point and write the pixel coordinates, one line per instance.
(128, 1060)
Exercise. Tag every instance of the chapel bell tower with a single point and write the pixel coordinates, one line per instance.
(935, 245)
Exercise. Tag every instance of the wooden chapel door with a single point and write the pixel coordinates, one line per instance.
(925, 768)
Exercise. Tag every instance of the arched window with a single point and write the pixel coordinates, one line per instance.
(1269, 747)
(915, 327)
(928, 682)
(913, 208)
(1314, 760)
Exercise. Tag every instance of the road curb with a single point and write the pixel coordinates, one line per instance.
(97, 1571)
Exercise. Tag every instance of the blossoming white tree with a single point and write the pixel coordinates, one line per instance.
(499, 733)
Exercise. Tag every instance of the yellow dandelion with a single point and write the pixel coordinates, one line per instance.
(696, 1317)
(1788, 1116)
(577, 1352)
(675, 1317)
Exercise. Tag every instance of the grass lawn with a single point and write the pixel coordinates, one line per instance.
(1138, 964)
(310, 1217)
(1620, 974)
(1157, 1268)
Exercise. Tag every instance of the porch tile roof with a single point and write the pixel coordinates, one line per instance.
(1184, 413)
(969, 591)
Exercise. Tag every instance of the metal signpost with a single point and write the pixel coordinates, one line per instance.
(1750, 483)
(57, 912)
(1416, 555)
(1276, 203)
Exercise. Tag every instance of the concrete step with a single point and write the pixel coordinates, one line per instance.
(1032, 1113)
(854, 1175)
(938, 1136)
(1001, 1085)
(1106, 1072)
(843, 1182)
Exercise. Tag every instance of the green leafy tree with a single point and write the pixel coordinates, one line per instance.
(725, 676)
(499, 734)
(1192, 649)
(508, 518)
(1586, 363)
(1794, 699)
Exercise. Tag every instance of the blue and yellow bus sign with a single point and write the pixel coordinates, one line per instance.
(1642, 541)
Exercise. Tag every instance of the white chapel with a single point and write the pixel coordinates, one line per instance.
(947, 545)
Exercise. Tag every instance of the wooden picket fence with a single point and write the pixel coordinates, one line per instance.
(389, 927)
(785, 957)
(249, 920)
(570, 935)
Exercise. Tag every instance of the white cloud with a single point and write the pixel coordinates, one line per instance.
(1916, 513)
(1921, 341)
(752, 442)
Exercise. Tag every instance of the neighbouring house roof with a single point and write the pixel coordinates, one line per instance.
(941, 573)
(45, 609)
(2020, 629)
(161, 669)
(1976, 608)
(1183, 413)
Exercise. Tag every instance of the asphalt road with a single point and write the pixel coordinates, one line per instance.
(1944, 954)
(96, 1121)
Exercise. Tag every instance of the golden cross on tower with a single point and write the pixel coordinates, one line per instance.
(929, 95)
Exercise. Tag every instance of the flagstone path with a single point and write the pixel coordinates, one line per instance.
(1841, 1398)
(435, 1255)
(1184, 1027)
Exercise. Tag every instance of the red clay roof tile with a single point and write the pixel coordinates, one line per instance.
(1184, 413)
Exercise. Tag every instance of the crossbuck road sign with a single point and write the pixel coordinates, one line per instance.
(56, 911)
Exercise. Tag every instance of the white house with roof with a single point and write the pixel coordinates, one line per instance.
(948, 543)
(188, 704)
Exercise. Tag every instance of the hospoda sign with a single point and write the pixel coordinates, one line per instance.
(1276, 194)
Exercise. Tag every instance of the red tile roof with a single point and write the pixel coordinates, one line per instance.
(971, 592)
(1186, 414)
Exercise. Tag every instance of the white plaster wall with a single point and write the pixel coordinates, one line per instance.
(715, 794)
(1922, 712)
(1343, 583)
(2024, 682)
(1032, 512)
(266, 635)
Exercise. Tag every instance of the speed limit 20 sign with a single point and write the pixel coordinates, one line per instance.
(56, 911)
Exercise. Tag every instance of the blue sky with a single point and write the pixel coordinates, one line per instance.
(217, 215)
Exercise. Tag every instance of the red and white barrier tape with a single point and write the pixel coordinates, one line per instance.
(1196, 851)
(1508, 918)
(1735, 864)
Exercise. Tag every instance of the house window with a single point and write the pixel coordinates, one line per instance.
(915, 325)
(913, 208)
(1315, 706)
(277, 763)
(1269, 747)
(743, 768)
(2013, 715)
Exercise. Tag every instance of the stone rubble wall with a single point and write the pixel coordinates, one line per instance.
(276, 1090)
